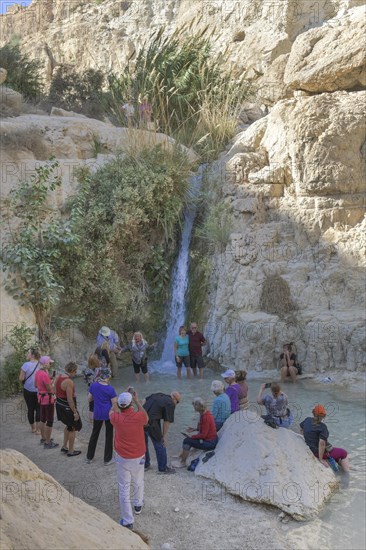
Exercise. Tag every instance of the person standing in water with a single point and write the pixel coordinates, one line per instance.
(196, 341)
(181, 352)
(139, 348)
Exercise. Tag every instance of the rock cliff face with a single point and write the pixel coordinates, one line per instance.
(295, 178)
(84, 33)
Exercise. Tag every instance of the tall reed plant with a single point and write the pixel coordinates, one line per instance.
(193, 99)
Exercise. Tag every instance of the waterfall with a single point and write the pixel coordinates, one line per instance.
(177, 307)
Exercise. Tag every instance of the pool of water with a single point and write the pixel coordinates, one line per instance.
(342, 523)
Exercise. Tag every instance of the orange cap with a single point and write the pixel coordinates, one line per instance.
(319, 410)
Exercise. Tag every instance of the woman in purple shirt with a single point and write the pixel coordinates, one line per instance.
(232, 390)
(103, 396)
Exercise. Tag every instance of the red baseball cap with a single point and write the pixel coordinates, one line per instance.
(319, 410)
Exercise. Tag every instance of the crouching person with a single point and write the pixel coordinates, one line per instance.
(316, 437)
(129, 444)
(206, 438)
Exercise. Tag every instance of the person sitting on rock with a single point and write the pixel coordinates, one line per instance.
(240, 376)
(232, 390)
(316, 435)
(276, 405)
(221, 408)
(206, 438)
(288, 364)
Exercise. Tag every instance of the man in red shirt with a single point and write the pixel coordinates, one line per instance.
(196, 341)
(129, 444)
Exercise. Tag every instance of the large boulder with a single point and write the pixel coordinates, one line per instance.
(260, 464)
(30, 493)
(317, 65)
(318, 141)
(11, 99)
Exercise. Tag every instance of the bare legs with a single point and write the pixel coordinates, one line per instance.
(285, 371)
(184, 456)
(69, 440)
(179, 373)
(36, 428)
(46, 432)
(345, 464)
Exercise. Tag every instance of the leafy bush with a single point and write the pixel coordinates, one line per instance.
(35, 249)
(21, 339)
(82, 93)
(24, 74)
(125, 218)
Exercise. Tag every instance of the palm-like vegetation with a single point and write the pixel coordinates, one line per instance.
(192, 98)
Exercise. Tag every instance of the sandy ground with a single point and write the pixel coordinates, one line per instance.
(207, 517)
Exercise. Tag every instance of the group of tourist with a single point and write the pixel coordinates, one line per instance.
(144, 114)
(130, 424)
(187, 351)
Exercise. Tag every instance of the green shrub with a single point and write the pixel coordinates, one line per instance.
(35, 246)
(21, 339)
(125, 218)
(82, 93)
(24, 74)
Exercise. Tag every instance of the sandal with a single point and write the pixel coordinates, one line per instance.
(74, 453)
(64, 450)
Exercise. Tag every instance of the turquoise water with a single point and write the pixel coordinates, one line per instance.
(342, 523)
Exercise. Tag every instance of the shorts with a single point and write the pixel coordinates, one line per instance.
(197, 361)
(138, 366)
(47, 413)
(337, 453)
(66, 416)
(183, 360)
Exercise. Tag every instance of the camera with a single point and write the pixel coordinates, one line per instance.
(131, 390)
(268, 385)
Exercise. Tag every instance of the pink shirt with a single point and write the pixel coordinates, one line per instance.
(41, 379)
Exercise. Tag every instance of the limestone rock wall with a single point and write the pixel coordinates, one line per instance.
(85, 34)
(295, 180)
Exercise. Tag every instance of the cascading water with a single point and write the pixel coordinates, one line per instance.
(177, 306)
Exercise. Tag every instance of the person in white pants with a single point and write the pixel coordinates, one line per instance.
(129, 444)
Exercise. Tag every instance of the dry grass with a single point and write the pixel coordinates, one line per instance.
(276, 296)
